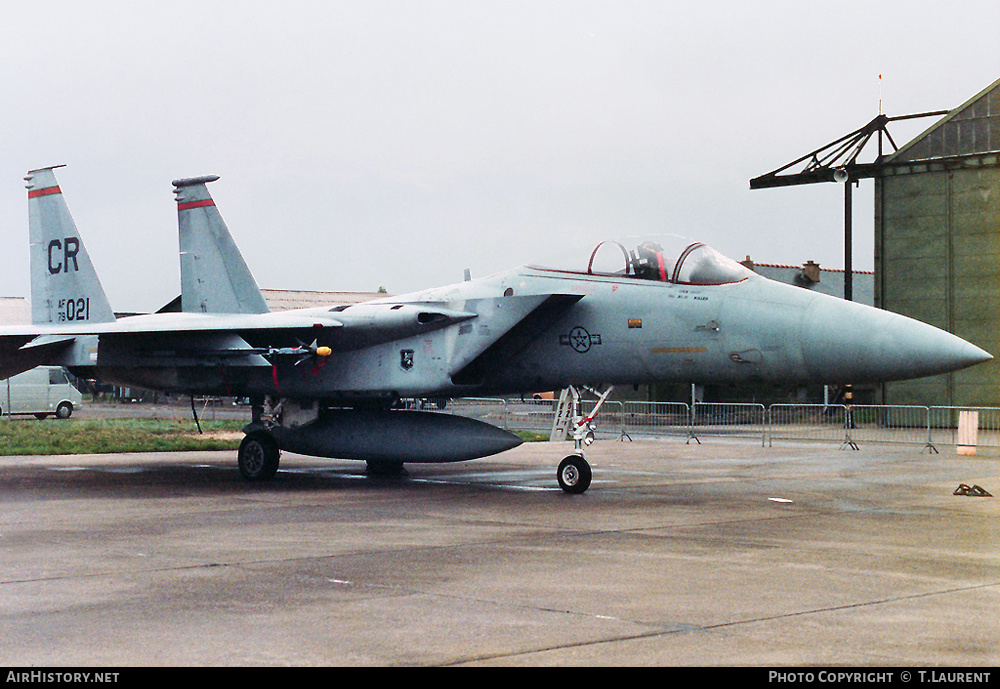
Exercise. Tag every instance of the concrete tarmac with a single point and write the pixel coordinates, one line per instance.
(725, 553)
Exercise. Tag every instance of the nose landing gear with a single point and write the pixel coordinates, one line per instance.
(574, 473)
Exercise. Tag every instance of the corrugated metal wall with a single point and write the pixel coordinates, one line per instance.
(937, 245)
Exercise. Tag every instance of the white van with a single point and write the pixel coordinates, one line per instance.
(41, 391)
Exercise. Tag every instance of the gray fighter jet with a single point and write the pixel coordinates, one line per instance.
(323, 381)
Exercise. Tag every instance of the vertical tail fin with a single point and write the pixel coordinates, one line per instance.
(64, 284)
(214, 276)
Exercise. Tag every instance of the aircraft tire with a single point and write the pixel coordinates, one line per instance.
(574, 474)
(258, 457)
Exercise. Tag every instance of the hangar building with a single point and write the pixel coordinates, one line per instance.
(937, 244)
(937, 233)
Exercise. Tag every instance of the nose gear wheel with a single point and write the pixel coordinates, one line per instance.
(574, 474)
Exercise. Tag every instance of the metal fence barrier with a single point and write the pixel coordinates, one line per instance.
(731, 420)
(807, 422)
(491, 411)
(530, 415)
(655, 419)
(942, 425)
(925, 427)
(888, 424)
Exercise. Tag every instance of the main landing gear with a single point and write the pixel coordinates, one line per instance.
(258, 457)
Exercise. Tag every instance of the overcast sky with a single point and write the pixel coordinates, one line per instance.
(397, 143)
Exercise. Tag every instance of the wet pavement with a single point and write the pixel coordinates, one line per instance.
(724, 553)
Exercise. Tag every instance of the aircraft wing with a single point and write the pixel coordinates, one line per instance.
(219, 337)
(20, 352)
(507, 325)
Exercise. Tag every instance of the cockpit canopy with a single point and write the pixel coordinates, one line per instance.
(663, 258)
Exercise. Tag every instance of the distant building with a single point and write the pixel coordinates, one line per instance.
(811, 276)
(286, 299)
(14, 311)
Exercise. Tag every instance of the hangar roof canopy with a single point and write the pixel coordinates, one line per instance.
(973, 127)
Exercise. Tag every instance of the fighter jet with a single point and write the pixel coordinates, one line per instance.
(324, 381)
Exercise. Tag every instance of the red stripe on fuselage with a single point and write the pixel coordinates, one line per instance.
(195, 204)
(44, 192)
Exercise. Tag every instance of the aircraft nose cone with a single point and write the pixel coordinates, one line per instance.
(847, 342)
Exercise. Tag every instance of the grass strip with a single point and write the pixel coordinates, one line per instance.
(98, 436)
(101, 436)
(532, 436)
